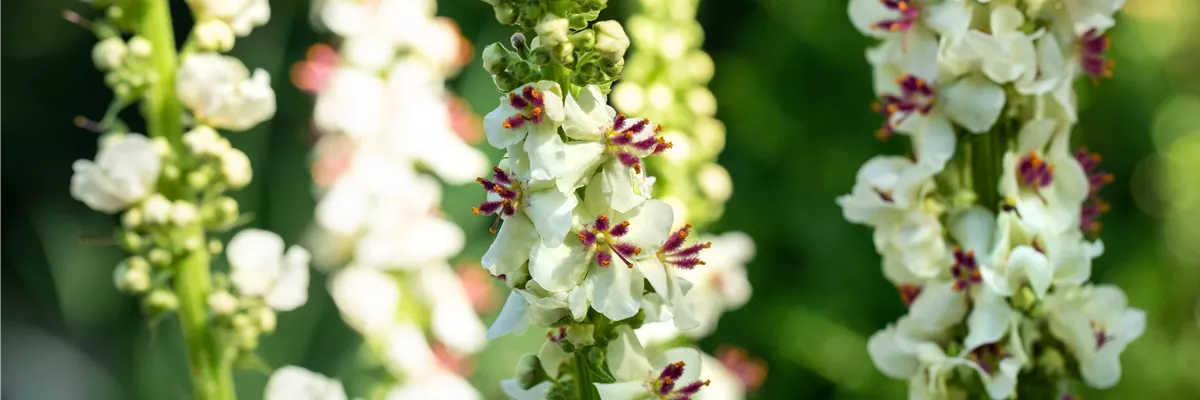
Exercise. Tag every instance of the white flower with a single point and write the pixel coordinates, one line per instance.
(723, 384)
(720, 284)
(885, 189)
(919, 101)
(109, 53)
(674, 374)
(392, 241)
(295, 383)
(1096, 323)
(420, 127)
(125, 171)
(531, 210)
(235, 167)
(220, 91)
(452, 319)
(614, 142)
(241, 15)
(1043, 179)
(1007, 53)
(259, 267)
(214, 35)
(408, 354)
(531, 113)
(913, 248)
(444, 385)
(895, 20)
(205, 141)
(611, 255)
(367, 298)
(352, 102)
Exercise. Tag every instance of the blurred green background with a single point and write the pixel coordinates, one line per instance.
(793, 89)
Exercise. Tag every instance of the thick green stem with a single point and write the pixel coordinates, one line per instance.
(587, 391)
(210, 370)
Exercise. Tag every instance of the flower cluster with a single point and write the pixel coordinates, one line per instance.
(988, 228)
(388, 127)
(587, 250)
(170, 188)
(665, 79)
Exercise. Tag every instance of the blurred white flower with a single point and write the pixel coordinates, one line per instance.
(242, 16)
(885, 190)
(1043, 179)
(1095, 323)
(221, 93)
(259, 267)
(367, 298)
(125, 171)
(296, 383)
(235, 167)
(674, 374)
(452, 318)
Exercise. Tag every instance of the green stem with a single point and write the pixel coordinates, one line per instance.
(587, 391)
(209, 368)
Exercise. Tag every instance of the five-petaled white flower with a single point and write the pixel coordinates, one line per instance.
(260, 268)
(530, 113)
(125, 172)
(1095, 323)
(220, 91)
(673, 375)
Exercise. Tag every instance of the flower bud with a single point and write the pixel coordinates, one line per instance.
(183, 213)
(215, 247)
(161, 301)
(584, 40)
(162, 147)
(530, 371)
(506, 82)
(264, 317)
(552, 30)
(109, 53)
(611, 41)
(199, 180)
(540, 56)
(214, 35)
(140, 47)
(132, 218)
(156, 209)
(505, 14)
(495, 58)
(159, 257)
(1024, 299)
(524, 71)
(170, 172)
(581, 334)
(235, 167)
(564, 53)
(221, 212)
(132, 277)
(130, 241)
(222, 303)
(530, 15)
(613, 70)
(578, 21)
(518, 42)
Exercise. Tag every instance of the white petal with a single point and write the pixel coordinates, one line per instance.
(865, 13)
(988, 321)
(295, 383)
(649, 224)
(973, 229)
(616, 290)
(546, 150)
(254, 261)
(512, 246)
(513, 390)
(1006, 19)
(580, 164)
(559, 268)
(586, 116)
(452, 318)
(552, 357)
(622, 390)
(626, 357)
(1034, 266)
(367, 298)
(552, 98)
(936, 141)
(513, 318)
(892, 354)
(692, 363)
(291, 287)
(493, 127)
(973, 102)
(1035, 135)
(621, 186)
(937, 308)
(550, 211)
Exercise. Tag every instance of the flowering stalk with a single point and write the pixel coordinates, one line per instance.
(388, 128)
(665, 80)
(587, 250)
(170, 189)
(988, 230)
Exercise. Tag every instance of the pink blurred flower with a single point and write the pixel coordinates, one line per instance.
(751, 371)
(479, 288)
(311, 74)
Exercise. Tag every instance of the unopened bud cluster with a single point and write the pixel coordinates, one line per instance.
(565, 47)
(990, 228)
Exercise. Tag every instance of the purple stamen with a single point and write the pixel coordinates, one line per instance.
(619, 122)
(676, 239)
(601, 224)
(965, 271)
(694, 387)
(489, 207)
(626, 249)
(603, 258)
(1092, 46)
(620, 229)
(500, 176)
(516, 101)
(916, 96)
(587, 238)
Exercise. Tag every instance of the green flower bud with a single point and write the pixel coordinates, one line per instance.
(222, 303)
(564, 53)
(1024, 299)
(577, 21)
(140, 47)
(199, 179)
(220, 213)
(215, 247)
(170, 172)
(495, 58)
(248, 338)
(161, 301)
(518, 42)
(530, 372)
(109, 54)
(552, 30)
(584, 40)
(611, 41)
(132, 218)
(531, 14)
(611, 69)
(159, 258)
(130, 241)
(590, 73)
(581, 335)
(505, 14)
(264, 317)
(540, 57)
(506, 82)
(524, 71)
(183, 213)
(132, 277)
